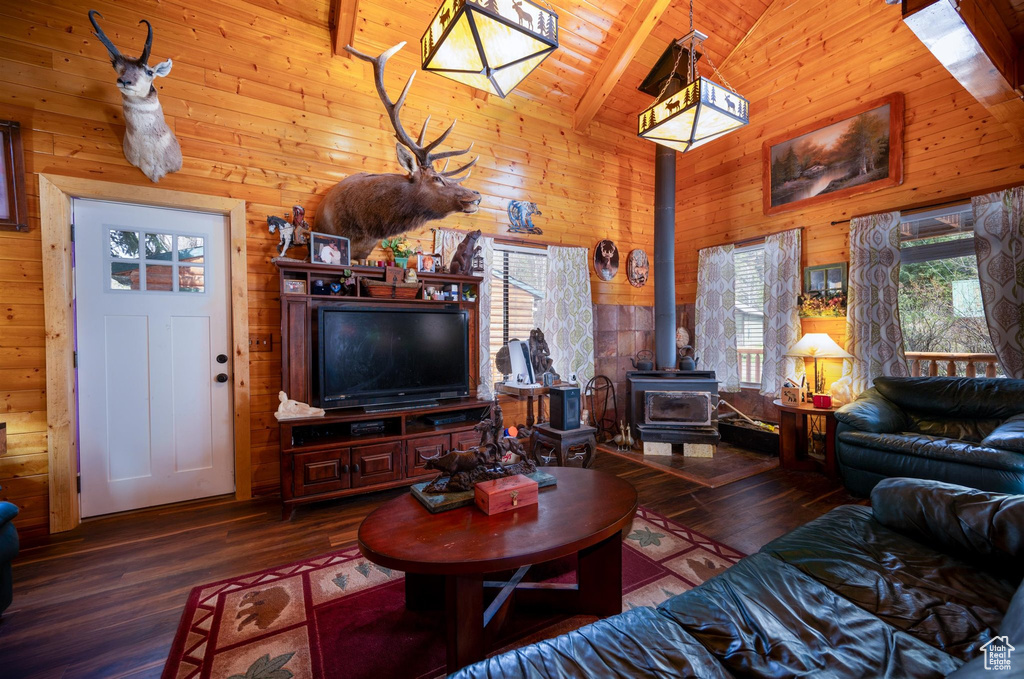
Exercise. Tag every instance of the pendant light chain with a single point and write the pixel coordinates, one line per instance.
(670, 76)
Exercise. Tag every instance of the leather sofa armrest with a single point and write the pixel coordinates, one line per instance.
(1007, 436)
(972, 523)
(7, 513)
(873, 412)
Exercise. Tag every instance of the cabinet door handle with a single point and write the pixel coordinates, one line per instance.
(355, 469)
(344, 469)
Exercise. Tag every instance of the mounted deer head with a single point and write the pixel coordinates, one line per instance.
(369, 207)
(148, 143)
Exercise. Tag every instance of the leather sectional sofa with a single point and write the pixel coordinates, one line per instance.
(912, 587)
(968, 431)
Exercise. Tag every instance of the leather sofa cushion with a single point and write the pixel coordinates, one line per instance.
(939, 599)
(763, 617)
(955, 397)
(1008, 436)
(965, 430)
(975, 524)
(1013, 629)
(637, 643)
(872, 412)
(936, 448)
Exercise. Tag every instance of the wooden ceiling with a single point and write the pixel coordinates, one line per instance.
(605, 49)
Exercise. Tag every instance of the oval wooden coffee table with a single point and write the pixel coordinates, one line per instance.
(446, 556)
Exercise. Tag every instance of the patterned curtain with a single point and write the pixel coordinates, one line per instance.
(715, 341)
(873, 332)
(568, 312)
(999, 245)
(782, 285)
(446, 241)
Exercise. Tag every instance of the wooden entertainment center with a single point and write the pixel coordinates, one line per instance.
(358, 450)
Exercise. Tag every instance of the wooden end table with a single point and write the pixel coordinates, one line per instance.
(565, 442)
(793, 427)
(446, 556)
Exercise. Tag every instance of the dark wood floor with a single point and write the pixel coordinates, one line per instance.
(104, 600)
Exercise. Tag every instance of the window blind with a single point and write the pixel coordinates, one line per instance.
(749, 263)
(517, 295)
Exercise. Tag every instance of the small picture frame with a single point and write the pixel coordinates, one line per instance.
(790, 396)
(325, 248)
(294, 287)
(426, 263)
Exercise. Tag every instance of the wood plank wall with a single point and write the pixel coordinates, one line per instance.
(263, 112)
(805, 61)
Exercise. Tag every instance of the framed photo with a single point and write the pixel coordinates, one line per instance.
(856, 151)
(426, 263)
(13, 205)
(325, 248)
(294, 287)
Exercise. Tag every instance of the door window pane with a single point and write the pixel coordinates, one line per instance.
(159, 277)
(124, 244)
(158, 246)
(190, 249)
(190, 279)
(124, 276)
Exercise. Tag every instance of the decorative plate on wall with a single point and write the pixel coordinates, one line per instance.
(638, 268)
(606, 260)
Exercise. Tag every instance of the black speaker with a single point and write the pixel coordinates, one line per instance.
(565, 408)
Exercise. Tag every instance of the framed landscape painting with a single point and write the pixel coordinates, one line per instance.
(852, 152)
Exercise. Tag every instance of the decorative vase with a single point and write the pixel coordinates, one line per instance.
(402, 262)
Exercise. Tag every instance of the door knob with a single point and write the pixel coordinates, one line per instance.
(223, 377)
(222, 358)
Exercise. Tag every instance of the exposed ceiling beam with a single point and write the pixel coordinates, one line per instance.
(635, 32)
(977, 49)
(343, 24)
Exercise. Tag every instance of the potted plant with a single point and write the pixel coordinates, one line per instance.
(397, 249)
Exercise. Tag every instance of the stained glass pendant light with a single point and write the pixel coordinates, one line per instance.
(701, 111)
(491, 45)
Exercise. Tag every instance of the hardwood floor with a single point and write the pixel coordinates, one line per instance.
(104, 600)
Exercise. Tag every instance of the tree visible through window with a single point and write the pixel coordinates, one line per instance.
(518, 278)
(940, 296)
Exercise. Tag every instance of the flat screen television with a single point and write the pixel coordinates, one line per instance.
(372, 356)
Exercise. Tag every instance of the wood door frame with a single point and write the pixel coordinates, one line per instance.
(55, 194)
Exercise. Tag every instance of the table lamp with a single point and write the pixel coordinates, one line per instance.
(817, 345)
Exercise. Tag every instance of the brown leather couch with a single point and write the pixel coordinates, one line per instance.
(912, 587)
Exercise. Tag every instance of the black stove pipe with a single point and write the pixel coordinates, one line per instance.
(665, 258)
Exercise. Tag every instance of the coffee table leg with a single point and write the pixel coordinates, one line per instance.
(424, 592)
(600, 577)
(464, 612)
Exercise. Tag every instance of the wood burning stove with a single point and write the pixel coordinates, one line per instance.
(673, 406)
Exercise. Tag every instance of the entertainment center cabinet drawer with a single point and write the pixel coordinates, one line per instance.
(464, 440)
(378, 463)
(417, 451)
(320, 472)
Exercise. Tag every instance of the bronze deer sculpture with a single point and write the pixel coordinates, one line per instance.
(148, 143)
(368, 207)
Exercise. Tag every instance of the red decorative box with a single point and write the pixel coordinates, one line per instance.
(822, 401)
(501, 495)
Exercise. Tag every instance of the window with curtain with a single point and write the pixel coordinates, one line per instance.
(940, 297)
(517, 295)
(749, 263)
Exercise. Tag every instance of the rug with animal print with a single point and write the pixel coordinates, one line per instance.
(339, 615)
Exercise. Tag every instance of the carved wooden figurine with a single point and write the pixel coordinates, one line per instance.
(369, 207)
(148, 143)
(462, 261)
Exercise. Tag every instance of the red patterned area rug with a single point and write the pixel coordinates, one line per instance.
(339, 615)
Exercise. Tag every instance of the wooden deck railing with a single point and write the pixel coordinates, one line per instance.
(750, 364)
(934, 363)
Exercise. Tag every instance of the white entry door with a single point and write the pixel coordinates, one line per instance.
(154, 355)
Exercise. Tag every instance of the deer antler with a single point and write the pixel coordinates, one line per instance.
(424, 153)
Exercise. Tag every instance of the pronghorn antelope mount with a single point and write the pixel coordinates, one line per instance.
(368, 207)
(148, 143)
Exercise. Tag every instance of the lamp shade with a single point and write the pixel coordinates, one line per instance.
(491, 45)
(698, 113)
(818, 345)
